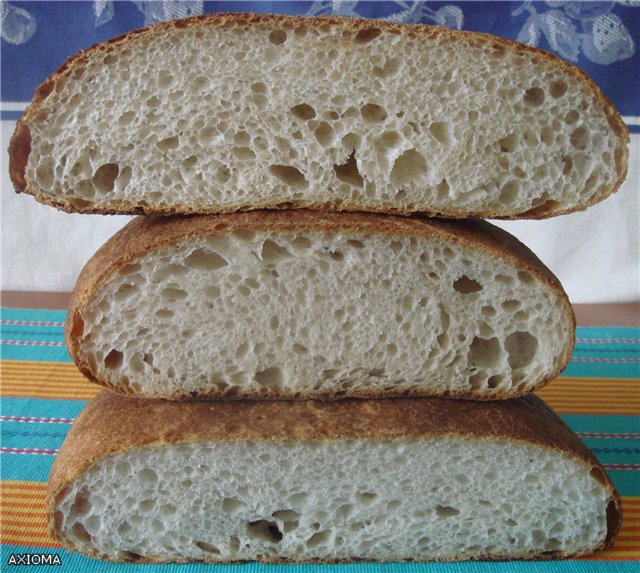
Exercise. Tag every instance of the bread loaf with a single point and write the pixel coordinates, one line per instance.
(234, 112)
(304, 304)
(386, 480)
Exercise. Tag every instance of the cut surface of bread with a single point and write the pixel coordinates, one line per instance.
(303, 304)
(404, 479)
(253, 111)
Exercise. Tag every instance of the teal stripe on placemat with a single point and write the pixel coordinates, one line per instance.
(38, 342)
(74, 563)
(609, 332)
(26, 467)
(35, 353)
(41, 408)
(609, 424)
(602, 370)
(618, 357)
(30, 314)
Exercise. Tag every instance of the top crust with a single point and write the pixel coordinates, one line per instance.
(20, 143)
(112, 424)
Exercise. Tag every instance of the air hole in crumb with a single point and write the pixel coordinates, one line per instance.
(446, 511)
(599, 476)
(271, 251)
(558, 88)
(366, 35)
(303, 111)
(525, 277)
(521, 347)
(230, 504)
(355, 244)
(351, 141)
(509, 192)
(301, 243)
(105, 176)
(113, 360)
(168, 143)
(572, 116)
(372, 112)
(126, 118)
(348, 172)
(441, 130)
(207, 547)
(579, 137)
(290, 519)
(80, 532)
(269, 377)
(324, 134)
(130, 556)
(264, 530)
(534, 97)
(465, 285)
(409, 167)
(81, 504)
(319, 538)
(508, 143)
(205, 260)
(390, 68)
(289, 175)
(164, 313)
(494, 381)
(365, 497)
(124, 292)
(511, 305)
(484, 352)
(243, 153)
(259, 88)
(173, 294)
(278, 37)
(504, 279)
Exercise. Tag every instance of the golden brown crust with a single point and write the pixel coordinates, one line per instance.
(144, 234)
(112, 424)
(18, 153)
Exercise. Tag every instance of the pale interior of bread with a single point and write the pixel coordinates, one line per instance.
(443, 498)
(291, 314)
(216, 119)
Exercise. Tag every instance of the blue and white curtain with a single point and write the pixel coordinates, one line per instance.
(600, 37)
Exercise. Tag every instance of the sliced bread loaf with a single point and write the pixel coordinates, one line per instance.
(304, 304)
(235, 112)
(387, 480)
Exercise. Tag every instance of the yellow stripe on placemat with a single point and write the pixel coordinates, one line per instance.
(53, 380)
(29, 528)
(23, 519)
(598, 396)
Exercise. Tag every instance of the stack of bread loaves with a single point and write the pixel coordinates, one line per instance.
(287, 169)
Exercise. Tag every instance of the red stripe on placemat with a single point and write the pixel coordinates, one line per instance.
(31, 323)
(603, 435)
(622, 466)
(605, 360)
(28, 451)
(36, 420)
(31, 343)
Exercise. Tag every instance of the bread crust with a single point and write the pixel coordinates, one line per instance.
(112, 424)
(20, 143)
(144, 234)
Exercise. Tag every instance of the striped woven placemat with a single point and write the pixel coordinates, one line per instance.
(598, 395)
